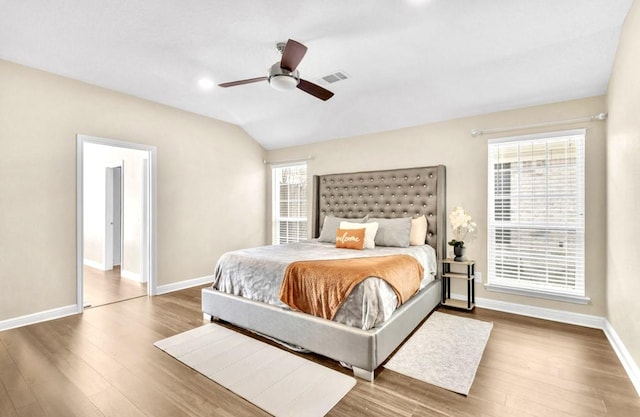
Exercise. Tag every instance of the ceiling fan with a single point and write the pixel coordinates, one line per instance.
(284, 76)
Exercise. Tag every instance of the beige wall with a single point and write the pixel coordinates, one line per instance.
(465, 157)
(203, 165)
(623, 185)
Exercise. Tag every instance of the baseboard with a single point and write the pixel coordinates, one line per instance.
(38, 317)
(585, 320)
(579, 319)
(177, 286)
(133, 276)
(623, 354)
(57, 313)
(93, 264)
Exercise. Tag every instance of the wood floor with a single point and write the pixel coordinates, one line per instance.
(103, 363)
(105, 287)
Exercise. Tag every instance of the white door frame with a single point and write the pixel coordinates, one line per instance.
(149, 243)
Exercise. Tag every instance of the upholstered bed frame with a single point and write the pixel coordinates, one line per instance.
(390, 193)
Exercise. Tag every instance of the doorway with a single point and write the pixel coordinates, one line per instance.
(116, 205)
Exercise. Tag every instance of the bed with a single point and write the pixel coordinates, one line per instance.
(364, 345)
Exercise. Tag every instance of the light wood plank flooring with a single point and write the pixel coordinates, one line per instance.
(103, 363)
(105, 287)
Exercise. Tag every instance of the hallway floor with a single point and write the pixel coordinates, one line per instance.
(106, 287)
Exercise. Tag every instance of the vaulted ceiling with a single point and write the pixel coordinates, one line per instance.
(407, 62)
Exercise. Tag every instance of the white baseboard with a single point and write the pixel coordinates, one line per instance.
(60, 312)
(40, 316)
(133, 276)
(585, 320)
(93, 264)
(579, 319)
(163, 289)
(623, 354)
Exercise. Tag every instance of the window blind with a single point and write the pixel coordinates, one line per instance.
(289, 203)
(536, 213)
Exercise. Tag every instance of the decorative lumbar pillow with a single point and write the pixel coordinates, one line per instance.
(393, 232)
(350, 238)
(330, 227)
(418, 233)
(370, 230)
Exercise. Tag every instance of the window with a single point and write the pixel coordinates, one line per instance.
(289, 203)
(536, 214)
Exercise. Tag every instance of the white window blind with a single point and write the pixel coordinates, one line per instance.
(289, 203)
(536, 213)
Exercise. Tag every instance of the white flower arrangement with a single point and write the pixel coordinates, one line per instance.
(461, 224)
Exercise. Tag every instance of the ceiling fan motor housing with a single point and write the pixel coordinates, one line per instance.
(282, 79)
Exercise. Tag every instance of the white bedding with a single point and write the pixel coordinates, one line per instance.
(257, 274)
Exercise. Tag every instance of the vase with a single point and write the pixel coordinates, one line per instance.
(459, 252)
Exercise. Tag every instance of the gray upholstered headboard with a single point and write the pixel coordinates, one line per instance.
(391, 193)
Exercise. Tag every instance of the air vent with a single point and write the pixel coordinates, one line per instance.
(335, 77)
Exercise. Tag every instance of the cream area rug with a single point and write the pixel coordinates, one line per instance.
(445, 351)
(275, 380)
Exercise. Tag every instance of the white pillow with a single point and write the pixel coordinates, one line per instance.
(418, 233)
(330, 227)
(370, 230)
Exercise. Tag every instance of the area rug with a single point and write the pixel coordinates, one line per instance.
(279, 382)
(445, 351)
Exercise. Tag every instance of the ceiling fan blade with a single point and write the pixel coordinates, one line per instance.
(315, 90)
(292, 55)
(247, 81)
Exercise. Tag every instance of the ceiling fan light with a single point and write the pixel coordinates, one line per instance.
(282, 79)
(283, 82)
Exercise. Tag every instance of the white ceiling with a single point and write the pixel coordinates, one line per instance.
(410, 62)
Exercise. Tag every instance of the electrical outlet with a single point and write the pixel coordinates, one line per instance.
(478, 277)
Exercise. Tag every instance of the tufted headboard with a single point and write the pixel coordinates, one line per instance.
(391, 193)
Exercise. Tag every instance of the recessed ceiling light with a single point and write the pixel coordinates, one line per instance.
(205, 83)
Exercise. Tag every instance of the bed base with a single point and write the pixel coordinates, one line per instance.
(364, 350)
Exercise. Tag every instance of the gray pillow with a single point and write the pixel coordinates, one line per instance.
(331, 225)
(393, 232)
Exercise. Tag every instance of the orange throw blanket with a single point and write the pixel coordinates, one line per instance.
(320, 287)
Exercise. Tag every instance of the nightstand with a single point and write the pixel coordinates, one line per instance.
(463, 270)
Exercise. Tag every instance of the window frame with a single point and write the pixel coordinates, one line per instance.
(515, 286)
(276, 218)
